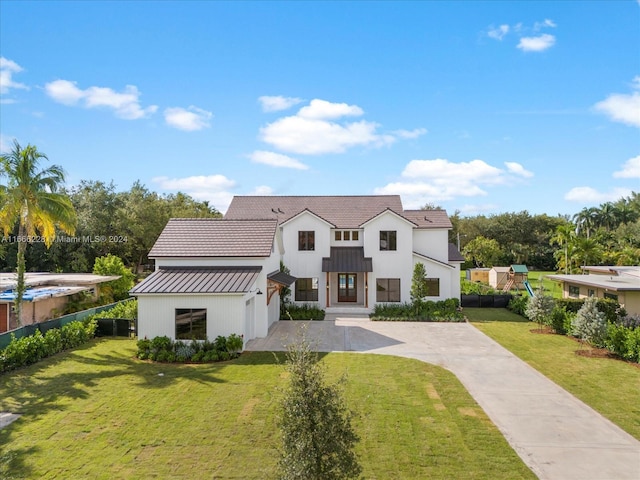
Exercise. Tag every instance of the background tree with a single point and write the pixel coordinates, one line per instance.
(317, 436)
(31, 199)
(482, 251)
(112, 265)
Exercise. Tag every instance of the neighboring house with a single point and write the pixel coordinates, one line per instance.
(617, 283)
(45, 296)
(344, 253)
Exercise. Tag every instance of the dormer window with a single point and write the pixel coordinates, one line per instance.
(346, 235)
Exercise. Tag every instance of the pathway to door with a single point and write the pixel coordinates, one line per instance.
(557, 435)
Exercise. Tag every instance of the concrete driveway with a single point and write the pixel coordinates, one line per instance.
(556, 435)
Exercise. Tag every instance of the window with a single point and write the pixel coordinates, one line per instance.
(306, 240)
(346, 235)
(574, 291)
(433, 287)
(307, 289)
(191, 323)
(387, 240)
(388, 290)
(611, 296)
(354, 235)
(591, 293)
(338, 235)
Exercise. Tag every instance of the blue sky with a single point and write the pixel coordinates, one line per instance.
(481, 107)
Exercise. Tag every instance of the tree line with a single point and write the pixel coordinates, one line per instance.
(605, 235)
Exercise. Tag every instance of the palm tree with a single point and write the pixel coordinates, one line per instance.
(31, 199)
(585, 220)
(564, 235)
(588, 250)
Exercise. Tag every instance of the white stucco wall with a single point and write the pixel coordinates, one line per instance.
(433, 243)
(225, 314)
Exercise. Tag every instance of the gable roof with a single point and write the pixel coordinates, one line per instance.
(198, 280)
(343, 211)
(215, 237)
(454, 254)
(429, 218)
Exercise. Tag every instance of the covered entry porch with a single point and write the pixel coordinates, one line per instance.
(347, 277)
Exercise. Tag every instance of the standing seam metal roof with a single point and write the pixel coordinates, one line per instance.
(198, 280)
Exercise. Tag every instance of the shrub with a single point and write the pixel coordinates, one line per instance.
(429, 311)
(518, 305)
(539, 308)
(163, 349)
(184, 351)
(31, 349)
(560, 320)
(624, 342)
(589, 324)
(235, 343)
(144, 349)
(305, 311)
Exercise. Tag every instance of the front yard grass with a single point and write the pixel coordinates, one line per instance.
(97, 412)
(610, 386)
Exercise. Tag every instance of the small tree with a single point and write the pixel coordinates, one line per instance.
(317, 435)
(112, 265)
(539, 308)
(590, 324)
(419, 288)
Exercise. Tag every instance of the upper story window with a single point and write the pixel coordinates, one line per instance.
(306, 240)
(346, 235)
(388, 240)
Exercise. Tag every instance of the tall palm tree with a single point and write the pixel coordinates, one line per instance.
(31, 200)
(564, 235)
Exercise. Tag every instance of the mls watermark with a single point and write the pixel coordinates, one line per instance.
(64, 239)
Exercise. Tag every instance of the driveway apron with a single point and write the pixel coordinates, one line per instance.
(556, 435)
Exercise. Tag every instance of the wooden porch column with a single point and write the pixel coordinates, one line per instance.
(328, 292)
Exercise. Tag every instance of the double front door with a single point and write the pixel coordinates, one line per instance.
(347, 287)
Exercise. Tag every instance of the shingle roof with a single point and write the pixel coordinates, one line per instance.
(215, 237)
(198, 280)
(454, 254)
(342, 211)
(429, 218)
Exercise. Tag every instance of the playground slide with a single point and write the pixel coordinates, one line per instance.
(528, 287)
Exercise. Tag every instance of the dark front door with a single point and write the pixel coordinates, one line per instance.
(347, 283)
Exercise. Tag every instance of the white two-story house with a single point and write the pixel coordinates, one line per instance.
(344, 254)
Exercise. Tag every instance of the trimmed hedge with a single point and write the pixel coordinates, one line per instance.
(33, 348)
(163, 349)
(440, 311)
(305, 311)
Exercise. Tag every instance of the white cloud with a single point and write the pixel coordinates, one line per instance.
(415, 133)
(518, 169)
(262, 190)
(470, 209)
(630, 169)
(212, 188)
(6, 143)
(537, 44)
(592, 196)
(311, 137)
(544, 24)
(277, 103)
(498, 33)
(319, 128)
(125, 104)
(188, 119)
(276, 160)
(426, 181)
(635, 83)
(7, 69)
(621, 108)
(322, 110)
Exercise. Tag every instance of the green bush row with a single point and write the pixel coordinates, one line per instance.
(477, 288)
(33, 348)
(622, 335)
(429, 311)
(163, 349)
(305, 311)
(128, 309)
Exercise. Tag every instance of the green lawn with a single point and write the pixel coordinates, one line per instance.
(610, 386)
(99, 413)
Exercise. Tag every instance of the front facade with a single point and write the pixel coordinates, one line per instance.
(351, 252)
(221, 276)
(621, 284)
